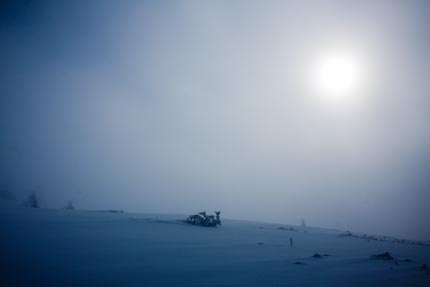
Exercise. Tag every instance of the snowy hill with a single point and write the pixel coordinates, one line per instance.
(44, 247)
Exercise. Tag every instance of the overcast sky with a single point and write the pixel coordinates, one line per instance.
(183, 106)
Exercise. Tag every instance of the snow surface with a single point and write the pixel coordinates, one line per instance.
(45, 247)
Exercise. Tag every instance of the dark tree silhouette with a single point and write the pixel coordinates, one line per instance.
(32, 201)
(70, 206)
(302, 222)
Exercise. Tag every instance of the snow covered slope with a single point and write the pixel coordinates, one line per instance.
(43, 247)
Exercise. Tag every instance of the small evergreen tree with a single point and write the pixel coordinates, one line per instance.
(70, 206)
(32, 201)
(302, 222)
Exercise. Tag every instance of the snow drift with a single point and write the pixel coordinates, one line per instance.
(44, 247)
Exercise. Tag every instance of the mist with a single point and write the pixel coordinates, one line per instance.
(184, 106)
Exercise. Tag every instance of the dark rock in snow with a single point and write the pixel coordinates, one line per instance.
(383, 256)
(316, 255)
(425, 269)
(405, 260)
(345, 234)
(288, 229)
(112, 210)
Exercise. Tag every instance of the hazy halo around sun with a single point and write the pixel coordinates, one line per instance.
(337, 76)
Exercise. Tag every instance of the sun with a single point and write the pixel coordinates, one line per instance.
(337, 75)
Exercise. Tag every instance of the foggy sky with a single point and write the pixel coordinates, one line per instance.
(183, 106)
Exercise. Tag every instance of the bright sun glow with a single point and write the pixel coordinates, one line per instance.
(337, 76)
